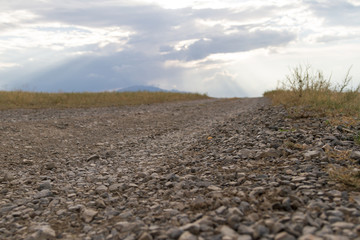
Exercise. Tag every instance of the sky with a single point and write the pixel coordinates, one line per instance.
(225, 48)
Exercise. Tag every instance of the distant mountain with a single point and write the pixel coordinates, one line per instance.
(142, 88)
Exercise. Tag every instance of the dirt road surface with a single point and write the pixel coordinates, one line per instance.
(206, 169)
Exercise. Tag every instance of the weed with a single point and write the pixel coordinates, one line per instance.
(313, 92)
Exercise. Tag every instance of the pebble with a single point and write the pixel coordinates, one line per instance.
(88, 214)
(187, 236)
(284, 236)
(43, 194)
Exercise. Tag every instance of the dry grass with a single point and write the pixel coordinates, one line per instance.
(33, 100)
(308, 93)
(311, 91)
(350, 177)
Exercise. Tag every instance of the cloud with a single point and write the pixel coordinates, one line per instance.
(222, 84)
(336, 12)
(97, 45)
(239, 42)
(6, 65)
(99, 73)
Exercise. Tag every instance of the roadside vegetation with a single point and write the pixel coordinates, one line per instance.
(312, 91)
(35, 100)
(306, 92)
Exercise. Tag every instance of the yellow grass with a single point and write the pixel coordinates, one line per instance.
(348, 176)
(33, 100)
(310, 90)
(330, 103)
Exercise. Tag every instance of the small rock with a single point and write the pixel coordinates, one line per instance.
(44, 185)
(43, 194)
(93, 158)
(334, 193)
(256, 192)
(88, 214)
(44, 232)
(310, 237)
(221, 210)
(214, 188)
(243, 229)
(199, 203)
(187, 236)
(343, 225)
(270, 153)
(312, 154)
(145, 236)
(50, 166)
(228, 231)
(99, 203)
(126, 226)
(101, 189)
(244, 237)
(27, 162)
(355, 155)
(174, 233)
(284, 236)
(260, 230)
(193, 228)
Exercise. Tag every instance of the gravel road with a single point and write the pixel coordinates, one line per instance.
(208, 169)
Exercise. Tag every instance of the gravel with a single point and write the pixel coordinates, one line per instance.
(207, 169)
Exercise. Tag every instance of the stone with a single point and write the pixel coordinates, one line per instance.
(44, 232)
(343, 225)
(334, 193)
(260, 230)
(145, 236)
(355, 155)
(44, 185)
(221, 210)
(193, 228)
(214, 188)
(187, 236)
(125, 226)
(310, 237)
(309, 230)
(256, 192)
(101, 189)
(174, 233)
(270, 153)
(284, 236)
(312, 154)
(228, 231)
(43, 194)
(88, 214)
(244, 237)
(243, 229)
(93, 158)
(50, 166)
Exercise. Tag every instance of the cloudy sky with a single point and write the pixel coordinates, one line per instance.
(225, 48)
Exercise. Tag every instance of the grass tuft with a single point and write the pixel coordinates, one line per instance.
(348, 176)
(35, 100)
(313, 92)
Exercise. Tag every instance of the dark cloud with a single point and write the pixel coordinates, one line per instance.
(336, 12)
(95, 73)
(238, 42)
